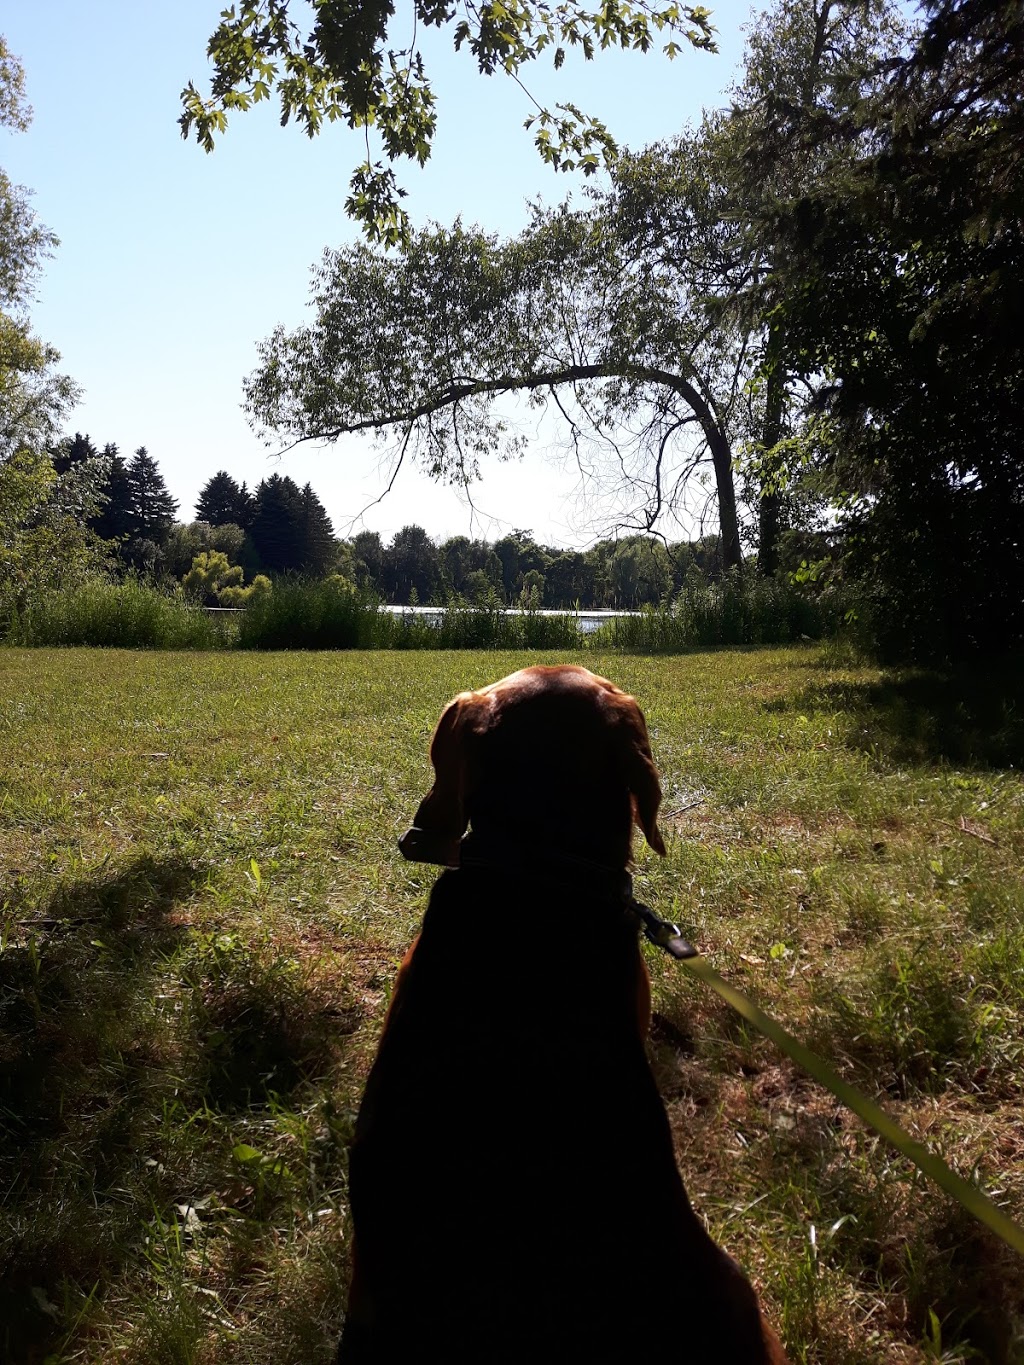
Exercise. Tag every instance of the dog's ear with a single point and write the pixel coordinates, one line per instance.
(642, 777)
(440, 821)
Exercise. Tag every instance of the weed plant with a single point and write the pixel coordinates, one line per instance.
(329, 614)
(311, 614)
(126, 615)
(202, 911)
(737, 611)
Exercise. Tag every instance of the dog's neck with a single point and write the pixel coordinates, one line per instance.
(554, 867)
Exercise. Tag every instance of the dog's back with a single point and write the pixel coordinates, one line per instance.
(514, 1188)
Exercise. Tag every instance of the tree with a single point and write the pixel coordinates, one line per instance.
(113, 522)
(641, 572)
(290, 529)
(210, 572)
(34, 399)
(631, 317)
(318, 552)
(71, 451)
(422, 343)
(186, 541)
(368, 560)
(222, 501)
(898, 274)
(411, 567)
(45, 543)
(152, 507)
(351, 66)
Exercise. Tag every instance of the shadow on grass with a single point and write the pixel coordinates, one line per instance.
(136, 1053)
(970, 717)
(915, 1243)
(74, 1083)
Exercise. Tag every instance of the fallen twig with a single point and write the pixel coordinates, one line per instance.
(965, 828)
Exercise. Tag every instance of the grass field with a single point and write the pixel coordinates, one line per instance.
(202, 907)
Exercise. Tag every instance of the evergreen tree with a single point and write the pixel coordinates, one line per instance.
(72, 450)
(114, 520)
(318, 548)
(274, 523)
(222, 501)
(290, 530)
(152, 508)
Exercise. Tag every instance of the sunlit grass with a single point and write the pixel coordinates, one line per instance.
(202, 908)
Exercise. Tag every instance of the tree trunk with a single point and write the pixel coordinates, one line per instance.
(770, 506)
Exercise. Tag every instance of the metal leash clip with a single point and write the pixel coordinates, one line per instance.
(663, 933)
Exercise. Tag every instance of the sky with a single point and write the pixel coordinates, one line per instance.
(174, 264)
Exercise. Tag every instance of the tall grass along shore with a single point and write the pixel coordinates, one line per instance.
(329, 614)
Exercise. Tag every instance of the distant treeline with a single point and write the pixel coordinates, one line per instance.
(280, 529)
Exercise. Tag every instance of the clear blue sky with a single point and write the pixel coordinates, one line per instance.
(174, 264)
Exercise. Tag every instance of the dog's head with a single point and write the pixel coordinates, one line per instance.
(546, 759)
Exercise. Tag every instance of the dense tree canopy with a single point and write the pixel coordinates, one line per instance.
(362, 64)
(630, 316)
(820, 288)
(423, 342)
(899, 276)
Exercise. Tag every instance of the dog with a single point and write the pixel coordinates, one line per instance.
(514, 1191)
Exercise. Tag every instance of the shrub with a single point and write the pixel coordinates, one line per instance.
(128, 615)
(740, 610)
(311, 614)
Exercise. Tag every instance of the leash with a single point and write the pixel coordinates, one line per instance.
(668, 937)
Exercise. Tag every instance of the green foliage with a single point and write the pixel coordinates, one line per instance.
(33, 398)
(14, 109)
(424, 341)
(311, 614)
(739, 610)
(185, 541)
(236, 596)
(897, 270)
(289, 530)
(152, 507)
(329, 614)
(210, 572)
(351, 66)
(221, 502)
(46, 546)
(128, 615)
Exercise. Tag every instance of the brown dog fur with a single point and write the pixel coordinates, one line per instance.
(514, 1189)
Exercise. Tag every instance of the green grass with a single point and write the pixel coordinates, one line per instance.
(202, 909)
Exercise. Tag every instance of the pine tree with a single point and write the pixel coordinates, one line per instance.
(318, 549)
(222, 501)
(152, 508)
(72, 450)
(274, 532)
(290, 529)
(114, 521)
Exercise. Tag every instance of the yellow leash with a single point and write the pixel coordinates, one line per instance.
(968, 1195)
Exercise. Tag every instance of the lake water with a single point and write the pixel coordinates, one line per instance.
(589, 621)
